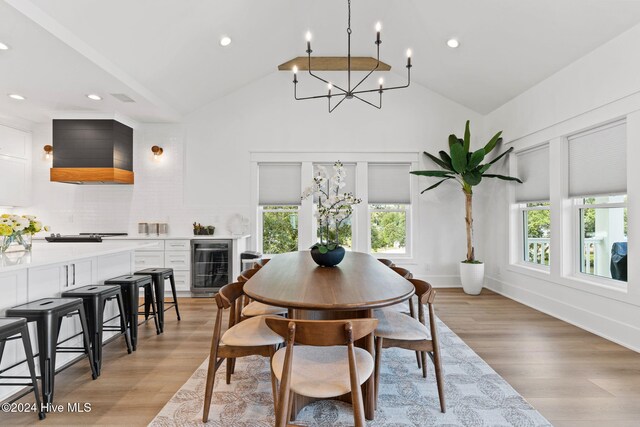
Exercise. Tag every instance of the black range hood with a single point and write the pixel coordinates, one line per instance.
(92, 152)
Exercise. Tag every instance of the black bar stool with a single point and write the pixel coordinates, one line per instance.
(48, 314)
(13, 329)
(130, 285)
(94, 298)
(159, 275)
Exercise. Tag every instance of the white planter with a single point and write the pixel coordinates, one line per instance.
(472, 277)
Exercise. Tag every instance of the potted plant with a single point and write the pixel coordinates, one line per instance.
(333, 208)
(16, 231)
(466, 168)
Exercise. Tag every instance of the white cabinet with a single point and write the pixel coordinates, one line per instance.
(149, 259)
(177, 260)
(177, 245)
(13, 288)
(15, 167)
(169, 253)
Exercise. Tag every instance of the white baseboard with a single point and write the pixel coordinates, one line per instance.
(441, 281)
(624, 334)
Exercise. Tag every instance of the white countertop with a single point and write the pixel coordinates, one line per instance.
(178, 237)
(45, 253)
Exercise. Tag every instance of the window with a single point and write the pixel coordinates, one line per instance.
(279, 229)
(389, 200)
(279, 200)
(598, 184)
(536, 221)
(603, 236)
(533, 198)
(388, 229)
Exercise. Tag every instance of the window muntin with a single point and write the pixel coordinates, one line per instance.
(536, 225)
(603, 228)
(345, 233)
(279, 229)
(388, 229)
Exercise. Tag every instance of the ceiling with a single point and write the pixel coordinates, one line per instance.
(165, 55)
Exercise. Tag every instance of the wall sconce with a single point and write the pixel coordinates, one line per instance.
(48, 150)
(157, 151)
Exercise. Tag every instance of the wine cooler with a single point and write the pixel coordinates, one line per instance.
(211, 265)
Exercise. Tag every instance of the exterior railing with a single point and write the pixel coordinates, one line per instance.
(538, 252)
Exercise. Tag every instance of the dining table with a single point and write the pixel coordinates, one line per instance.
(350, 290)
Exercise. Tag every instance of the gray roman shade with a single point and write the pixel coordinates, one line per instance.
(279, 183)
(598, 161)
(533, 170)
(389, 183)
(350, 179)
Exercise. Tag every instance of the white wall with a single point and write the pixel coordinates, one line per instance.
(599, 87)
(204, 174)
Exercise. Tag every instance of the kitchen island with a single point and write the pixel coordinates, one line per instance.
(50, 269)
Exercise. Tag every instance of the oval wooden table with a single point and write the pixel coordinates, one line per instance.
(352, 289)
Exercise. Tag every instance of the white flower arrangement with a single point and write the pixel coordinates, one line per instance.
(333, 207)
(13, 228)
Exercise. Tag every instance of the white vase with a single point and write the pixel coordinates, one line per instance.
(472, 277)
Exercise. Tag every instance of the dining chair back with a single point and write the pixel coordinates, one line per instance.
(247, 274)
(314, 336)
(403, 272)
(262, 262)
(386, 262)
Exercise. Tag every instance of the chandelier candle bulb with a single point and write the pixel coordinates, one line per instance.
(308, 36)
(409, 57)
(378, 28)
(381, 82)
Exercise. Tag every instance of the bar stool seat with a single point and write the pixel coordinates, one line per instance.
(94, 298)
(159, 275)
(130, 285)
(10, 328)
(48, 314)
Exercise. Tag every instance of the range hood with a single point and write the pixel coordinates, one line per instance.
(92, 152)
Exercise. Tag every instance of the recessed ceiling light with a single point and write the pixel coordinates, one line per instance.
(225, 41)
(453, 43)
(3, 46)
(94, 97)
(16, 96)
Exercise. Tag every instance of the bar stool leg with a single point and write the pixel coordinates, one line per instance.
(132, 295)
(47, 342)
(175, 296)
(123, 322)
(154, 307)
(158, 284)
(87, 342)
(2, 344)
(148, 302)
(26, 342)
(96, 331)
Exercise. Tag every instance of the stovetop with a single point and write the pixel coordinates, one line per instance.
(82, 237)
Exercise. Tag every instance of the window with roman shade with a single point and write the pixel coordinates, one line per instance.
(389, 183)
(533, 170)
(598, 161)
(279, 184)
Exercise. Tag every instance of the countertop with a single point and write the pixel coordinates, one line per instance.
(178, 237)
(45, 253)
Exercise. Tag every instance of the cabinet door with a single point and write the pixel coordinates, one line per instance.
(16, 172)
(47, 281)
(177, 245)
(183, 281)
(13, 286)
(13, 142)
(114, 265)
(81, 272)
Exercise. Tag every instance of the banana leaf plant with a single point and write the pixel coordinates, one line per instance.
(466, 168)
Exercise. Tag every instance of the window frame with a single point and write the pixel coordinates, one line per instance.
(523, 209)
(577, 242)
(407, 208)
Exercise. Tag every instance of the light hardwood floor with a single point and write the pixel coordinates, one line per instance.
(572, 377)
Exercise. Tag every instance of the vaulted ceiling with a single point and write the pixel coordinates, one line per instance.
(165, 55)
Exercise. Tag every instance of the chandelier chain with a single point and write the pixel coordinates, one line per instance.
(349, 18)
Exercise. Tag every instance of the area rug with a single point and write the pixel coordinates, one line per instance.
(476, 395)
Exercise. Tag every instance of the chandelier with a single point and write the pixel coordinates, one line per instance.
(350, 92)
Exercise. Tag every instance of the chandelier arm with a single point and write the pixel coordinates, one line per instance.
(370, 103)
(336, 106)
(388, 88)
(370, 72)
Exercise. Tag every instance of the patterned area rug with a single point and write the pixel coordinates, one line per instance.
(476, 395)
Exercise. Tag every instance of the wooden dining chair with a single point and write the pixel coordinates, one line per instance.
(386, 262)
(255, 308)
(402, 331)
(250, 337)
(324, 364)
(406, 307)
